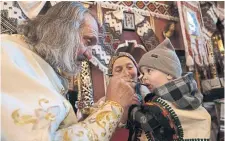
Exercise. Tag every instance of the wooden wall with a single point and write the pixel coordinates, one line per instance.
(177, 41)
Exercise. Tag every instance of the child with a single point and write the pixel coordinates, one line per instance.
(173, 110)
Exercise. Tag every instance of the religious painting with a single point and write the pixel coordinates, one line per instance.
(192, 23)
(128, 21)
(169, 30)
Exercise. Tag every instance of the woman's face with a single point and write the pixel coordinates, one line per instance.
(153, 78)
(125, 68)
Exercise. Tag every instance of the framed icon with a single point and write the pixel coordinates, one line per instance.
(128, 21)
(192, 23)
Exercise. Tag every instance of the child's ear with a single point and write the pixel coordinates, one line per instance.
(169, 77)
(140, 77)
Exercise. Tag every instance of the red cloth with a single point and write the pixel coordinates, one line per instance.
(121, 134)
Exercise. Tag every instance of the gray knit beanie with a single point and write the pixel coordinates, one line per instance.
(163, 58)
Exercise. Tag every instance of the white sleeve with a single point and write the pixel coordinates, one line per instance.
(98, 126)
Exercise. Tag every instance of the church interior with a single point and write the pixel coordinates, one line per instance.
(195, 29)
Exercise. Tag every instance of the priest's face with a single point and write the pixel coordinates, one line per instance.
(88, 39)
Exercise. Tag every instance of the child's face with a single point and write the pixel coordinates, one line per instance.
(153, 78)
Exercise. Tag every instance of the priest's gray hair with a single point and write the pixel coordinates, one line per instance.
(56, 35)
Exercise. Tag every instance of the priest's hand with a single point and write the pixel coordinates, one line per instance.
(120, 91)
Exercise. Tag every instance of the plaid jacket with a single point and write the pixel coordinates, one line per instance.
(182, 92)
